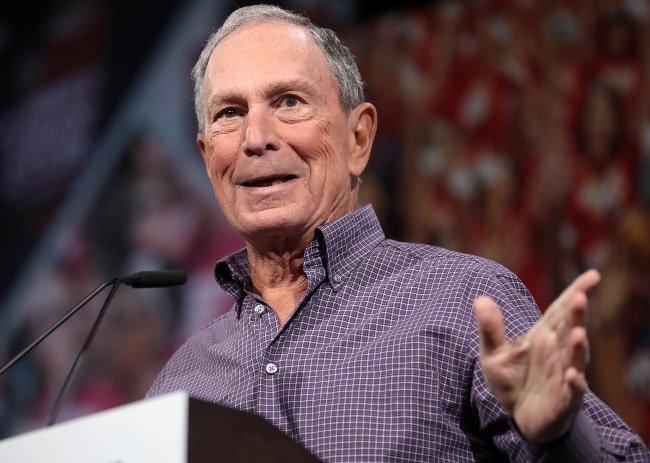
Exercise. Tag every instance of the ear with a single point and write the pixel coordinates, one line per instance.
(362, 123)
(200, 141)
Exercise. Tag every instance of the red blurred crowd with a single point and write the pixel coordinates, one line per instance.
(518, 130)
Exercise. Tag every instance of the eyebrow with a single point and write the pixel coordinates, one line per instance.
(220, 99)
(270, 91)
(302, 85)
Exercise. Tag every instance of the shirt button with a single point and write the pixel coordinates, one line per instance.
(259, 309)
(337, 278)
(271, 368)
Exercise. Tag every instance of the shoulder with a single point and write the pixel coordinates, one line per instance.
(452, 280)
(441, 262)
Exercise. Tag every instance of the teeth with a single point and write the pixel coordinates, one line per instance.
(269, 182)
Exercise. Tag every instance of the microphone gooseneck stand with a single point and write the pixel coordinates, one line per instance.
(60, 322)
(54, 412)
(143, 279)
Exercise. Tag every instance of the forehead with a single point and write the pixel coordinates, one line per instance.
(267, 51)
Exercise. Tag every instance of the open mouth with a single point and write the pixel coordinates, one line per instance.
(263, 182)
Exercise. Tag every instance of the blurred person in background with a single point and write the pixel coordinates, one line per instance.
(601, 170)
(619, 324)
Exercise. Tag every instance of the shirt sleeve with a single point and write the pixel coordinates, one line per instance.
(584, 443)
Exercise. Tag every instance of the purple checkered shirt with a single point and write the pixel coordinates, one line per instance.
(379, 361)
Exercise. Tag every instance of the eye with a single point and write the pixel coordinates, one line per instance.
(289, 101)
(228, 113)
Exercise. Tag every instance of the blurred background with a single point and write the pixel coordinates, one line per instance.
(518, 130)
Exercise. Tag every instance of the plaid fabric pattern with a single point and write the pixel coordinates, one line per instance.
(379, 361)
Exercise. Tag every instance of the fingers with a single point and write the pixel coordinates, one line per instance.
(577, 384)
(564, 321)
(586, 281)
(490, 325)
(568, 310)
(580, 286)
(577, 310)
(579, 347)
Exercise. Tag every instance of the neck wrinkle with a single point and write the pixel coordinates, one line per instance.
(272, 271)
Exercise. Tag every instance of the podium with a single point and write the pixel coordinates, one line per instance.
(169, 429)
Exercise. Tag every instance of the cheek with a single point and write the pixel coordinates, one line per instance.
(212, 170)
(218, 179)
(221, 157)
(217, 174)
(325, 145)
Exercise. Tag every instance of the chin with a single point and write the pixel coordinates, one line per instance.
(275, 222)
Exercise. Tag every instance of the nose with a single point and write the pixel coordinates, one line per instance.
(260, 134)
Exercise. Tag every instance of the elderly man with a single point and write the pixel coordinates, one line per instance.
(359, 347)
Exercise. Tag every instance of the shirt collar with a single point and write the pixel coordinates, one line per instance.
(344, 242)
(338, 246)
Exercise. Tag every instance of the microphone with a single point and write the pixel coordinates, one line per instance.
(155, 279)
(143, 279)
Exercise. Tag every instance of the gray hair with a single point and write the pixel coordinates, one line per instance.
(339, 57)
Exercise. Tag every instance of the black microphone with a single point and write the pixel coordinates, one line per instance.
(143, 279)
(155, 279)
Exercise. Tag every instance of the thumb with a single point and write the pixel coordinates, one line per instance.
(490, 325)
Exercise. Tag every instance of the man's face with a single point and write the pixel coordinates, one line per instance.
(277, 146)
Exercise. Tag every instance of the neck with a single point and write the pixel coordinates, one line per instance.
(278, 278)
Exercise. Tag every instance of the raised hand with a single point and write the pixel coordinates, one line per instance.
(539, 378)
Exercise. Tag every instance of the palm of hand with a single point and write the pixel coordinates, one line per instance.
(539, 377)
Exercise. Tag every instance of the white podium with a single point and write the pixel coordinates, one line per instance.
(167, 429)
